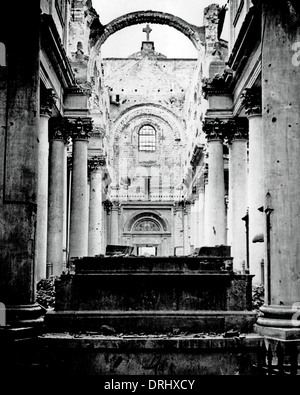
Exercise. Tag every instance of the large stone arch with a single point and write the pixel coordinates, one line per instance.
(149, 110)
(99, 33)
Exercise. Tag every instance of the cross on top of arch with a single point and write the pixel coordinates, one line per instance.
(147, 30)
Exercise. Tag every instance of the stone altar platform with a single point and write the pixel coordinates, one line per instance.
(153, 295)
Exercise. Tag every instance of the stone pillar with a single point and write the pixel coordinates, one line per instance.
(215, 221)
(19, 116)
(186, 228)
(95, 241)
(47, 102)
(237, 136)
(252, 103)
(114, 230)
(58, 137)
(79, 216)
(193, 223)
(206, 212)
(281, 147)
(178, 229)
(107, 205)
(201, 216)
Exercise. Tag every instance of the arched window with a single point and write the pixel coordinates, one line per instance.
(147, 139)
(2, 54)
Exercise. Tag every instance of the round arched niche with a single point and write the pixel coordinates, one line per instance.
(148, 219)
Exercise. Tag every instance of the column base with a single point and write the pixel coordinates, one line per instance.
(24, 315)
(279, 322)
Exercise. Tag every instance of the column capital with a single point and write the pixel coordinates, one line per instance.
(252, 101)
(59, 129)
(81, 128)
(213, 128)
(217, 85)
(115, 205)
(47, 100)
(236, 129)
(96, 162)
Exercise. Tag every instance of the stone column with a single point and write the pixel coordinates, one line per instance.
(58, 138)
(19, 116)
(185, 232)
(201, 216)
(107, 205)
(206, 196)
(114, 230)
(237, 136)
(47, 101)
(252, 103)
(215, 221)
(95, 165)
(193, 223)
(79, 216)
(178, 229)
(281, 147)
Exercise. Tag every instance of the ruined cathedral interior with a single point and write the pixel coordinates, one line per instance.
(154, 196)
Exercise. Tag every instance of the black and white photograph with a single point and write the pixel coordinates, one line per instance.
(149, 191)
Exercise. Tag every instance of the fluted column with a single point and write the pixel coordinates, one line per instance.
(47, 101)
(236, 133)
(79, 216)
(59, 130)
(252, 103)
(215, 218)
(95, 165)
(115, 211)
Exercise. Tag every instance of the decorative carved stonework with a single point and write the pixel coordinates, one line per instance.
(213, 128)
(48, 97)
(81, 128)
(59, 129)
(70, 163)
(96, 162)
(217, 85)
(205, 174)
(252, 101)
(147, 226)
(107, 204)
(236, 129)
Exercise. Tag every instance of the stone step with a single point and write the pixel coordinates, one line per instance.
(188, 355)
(172, 264)
(150, 322)
(155, 291)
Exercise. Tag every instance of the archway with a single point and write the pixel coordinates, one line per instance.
(99, 33)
